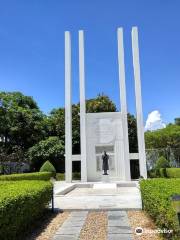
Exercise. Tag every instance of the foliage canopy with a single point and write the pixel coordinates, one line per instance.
(50, 149)
(24, 129)
(163, 138)
(21, 121)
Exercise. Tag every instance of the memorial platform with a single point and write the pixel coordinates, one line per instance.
(123, 195)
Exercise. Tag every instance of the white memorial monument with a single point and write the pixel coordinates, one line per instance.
(107, 131)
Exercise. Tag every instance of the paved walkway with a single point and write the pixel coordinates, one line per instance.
(118, 226)
(71, 228)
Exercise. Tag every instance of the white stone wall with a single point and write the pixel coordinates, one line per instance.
(104, 129)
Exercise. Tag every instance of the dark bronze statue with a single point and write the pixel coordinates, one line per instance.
(105, 165)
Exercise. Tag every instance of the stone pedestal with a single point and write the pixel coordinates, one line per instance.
(105, 178)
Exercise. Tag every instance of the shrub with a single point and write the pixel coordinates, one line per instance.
(162, 162)
(61, 176)
(162, 172)
(151, 173)
(51, 148)
(27, 176)
(76, 176)
(156, 195)
(48, 167)
(21, 202)
(168, 172)
(173, 172)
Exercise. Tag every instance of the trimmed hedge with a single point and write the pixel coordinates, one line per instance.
(156, 195)
(27, 176)
(173, 172)
(162, 172)
(61, 176)
(48, 167)
(151, 173)
(21, 202)
(162, 162)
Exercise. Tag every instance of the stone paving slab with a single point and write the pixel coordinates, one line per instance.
(71, 228)
(65, 237)
(119, 229)
(73, 220)
(73, 224)
(117, 213)
(120, 237)
(79, 214)
(118, 226)
(117, 223)
(118, 218)
(80, 218)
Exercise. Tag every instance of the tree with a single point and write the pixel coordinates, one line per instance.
(164, 138)
(177, 121)
(23, 127)
(51, 149)
(56, 121)
(21, 121)
(101, 103)
(166, 141)
(162, 162)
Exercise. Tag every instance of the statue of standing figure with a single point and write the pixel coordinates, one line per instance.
(105, 164)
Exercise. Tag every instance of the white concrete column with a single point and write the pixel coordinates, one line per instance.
(68, 109)
(139, 113)
(119, 156)
(122, 84)
(82, 107)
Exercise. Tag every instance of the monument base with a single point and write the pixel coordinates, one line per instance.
(105, 185)
(105, 178)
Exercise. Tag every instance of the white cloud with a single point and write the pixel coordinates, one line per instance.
(154, 121)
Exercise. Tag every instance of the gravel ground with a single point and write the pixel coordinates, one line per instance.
(47, 227)
(141, 219)
(95, 227)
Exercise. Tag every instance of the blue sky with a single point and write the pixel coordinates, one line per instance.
(32, 50)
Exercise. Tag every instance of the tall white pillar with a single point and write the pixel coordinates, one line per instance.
(122, 84)
(68, 109)
(139, 113)
(82, 107)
